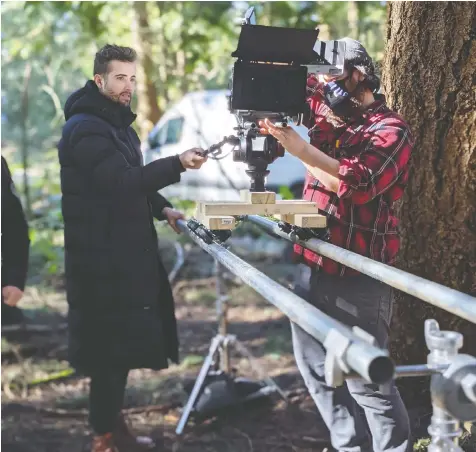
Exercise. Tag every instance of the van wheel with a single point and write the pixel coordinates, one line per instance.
(297, 190)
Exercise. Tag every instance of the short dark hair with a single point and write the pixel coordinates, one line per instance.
(111, 52)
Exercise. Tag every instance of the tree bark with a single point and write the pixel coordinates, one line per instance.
(148, 112)
(429, 77)
(353, 19)
(180, 55)
(25, 109)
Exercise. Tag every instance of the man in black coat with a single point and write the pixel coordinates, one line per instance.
(15, 249)
(121, 309)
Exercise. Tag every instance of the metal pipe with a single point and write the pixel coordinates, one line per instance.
(419, 370)
(413, 370)
(370, 362)
(450, 300)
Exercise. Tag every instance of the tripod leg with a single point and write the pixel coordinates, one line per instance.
(222, 309)
(258, 368)
(198, 384)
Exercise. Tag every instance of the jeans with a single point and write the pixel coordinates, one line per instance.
(106, 397)
(361, 417)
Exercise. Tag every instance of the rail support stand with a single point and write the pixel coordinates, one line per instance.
(219, 357)
(444, 428)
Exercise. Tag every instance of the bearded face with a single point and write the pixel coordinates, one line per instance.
(119, 83)
(349, 89)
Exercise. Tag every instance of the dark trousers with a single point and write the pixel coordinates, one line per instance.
(11, 315)
(361, 417)
(106, 396)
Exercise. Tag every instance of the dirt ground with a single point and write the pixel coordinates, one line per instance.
(51, 416)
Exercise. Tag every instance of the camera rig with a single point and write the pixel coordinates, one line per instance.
(269, 80)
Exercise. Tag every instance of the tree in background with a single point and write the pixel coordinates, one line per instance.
(48, 51)
(183, 46)
(43, 49)
(429, 77)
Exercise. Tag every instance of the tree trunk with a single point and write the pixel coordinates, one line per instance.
(429, 78)
(25, 104)
(353, 19)
(148, 112)
(166, 65)
(180, 55)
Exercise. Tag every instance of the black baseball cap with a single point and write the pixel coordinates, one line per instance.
(356, 56)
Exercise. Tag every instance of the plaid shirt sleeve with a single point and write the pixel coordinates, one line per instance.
(314, 98)
(379, 165)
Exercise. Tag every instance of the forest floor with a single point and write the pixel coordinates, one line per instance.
(51, 416)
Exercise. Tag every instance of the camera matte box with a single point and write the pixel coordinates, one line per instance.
(276, 45)
(270, 74)
(269, 87)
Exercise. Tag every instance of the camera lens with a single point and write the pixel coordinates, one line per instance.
(239, 152)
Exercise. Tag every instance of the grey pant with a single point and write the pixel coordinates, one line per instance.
(361, 417)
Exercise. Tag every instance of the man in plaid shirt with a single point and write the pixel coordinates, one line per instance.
(357, 167)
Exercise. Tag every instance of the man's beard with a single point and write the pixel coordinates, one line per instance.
(353, 108)
(115, 97)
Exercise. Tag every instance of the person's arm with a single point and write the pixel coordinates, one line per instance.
(158, 203)
(15, 240)
(93, 151)
(378, 167)
(330, 182)
(315, 100)
(360, 178)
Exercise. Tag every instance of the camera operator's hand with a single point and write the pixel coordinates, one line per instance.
(287, 136)
(193, 158)
(172, 216)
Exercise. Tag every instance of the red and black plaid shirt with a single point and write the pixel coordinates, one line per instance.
(374, 151)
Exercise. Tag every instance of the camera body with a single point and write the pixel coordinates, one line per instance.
(269, 80)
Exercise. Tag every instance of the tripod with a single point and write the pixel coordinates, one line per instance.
(219, 356)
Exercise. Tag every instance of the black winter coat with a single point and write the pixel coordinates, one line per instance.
(121, 309)
(15, 240)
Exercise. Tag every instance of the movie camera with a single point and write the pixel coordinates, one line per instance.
(269, 81)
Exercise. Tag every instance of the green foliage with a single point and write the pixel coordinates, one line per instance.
(191, 361)
(46, 252)
(46, 226)
(421, 445)
(48, 50)
(286, 192)
(46, 41)
(184, 205)
(190, 46)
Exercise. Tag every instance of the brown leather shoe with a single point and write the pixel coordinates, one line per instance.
(126, 441)
(103, 443)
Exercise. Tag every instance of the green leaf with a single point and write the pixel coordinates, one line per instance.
(192, 360)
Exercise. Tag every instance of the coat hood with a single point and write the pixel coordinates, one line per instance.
(88, 99)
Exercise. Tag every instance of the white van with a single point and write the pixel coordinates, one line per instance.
(201, 119)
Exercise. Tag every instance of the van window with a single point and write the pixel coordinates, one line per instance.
(157, 137)
(169, 133)
(174, 130)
